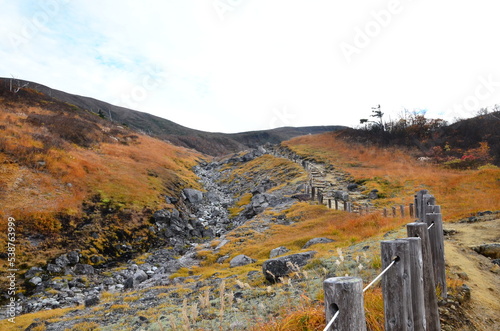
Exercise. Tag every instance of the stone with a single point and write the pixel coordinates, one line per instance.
(73, 257)
(91, 301)
(54, 269)
(35, 281)
(488, 250)
(317, 241)
(192, 195)
(62, 261)
(341, 195)
(352, 187)
(129, 283)
(240, 260)
(84, 269)
(140, 276)
(278, 251)
(373, 194)
(282, 266)
(34, 271)
(212, 197)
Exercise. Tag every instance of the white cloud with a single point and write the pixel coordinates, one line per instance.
(181, 61)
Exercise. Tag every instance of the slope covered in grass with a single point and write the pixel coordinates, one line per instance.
(66, 173)
(397, 175)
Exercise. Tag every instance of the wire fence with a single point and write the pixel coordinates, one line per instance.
(412, 278)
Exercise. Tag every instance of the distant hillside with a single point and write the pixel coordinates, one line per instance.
(467, 143)
(206, 142)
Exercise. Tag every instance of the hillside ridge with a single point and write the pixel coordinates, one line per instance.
(210, 143)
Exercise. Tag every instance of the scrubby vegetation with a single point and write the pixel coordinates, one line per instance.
(74, 180)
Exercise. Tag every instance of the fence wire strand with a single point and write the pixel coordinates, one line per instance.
(430, 226)
(380, 275)
(331, 321)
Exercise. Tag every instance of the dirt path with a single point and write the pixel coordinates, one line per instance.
(481, 275)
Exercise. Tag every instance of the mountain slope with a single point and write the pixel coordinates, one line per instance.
(210, 143)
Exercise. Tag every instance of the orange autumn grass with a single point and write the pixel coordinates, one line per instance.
(310, 315)
(397, 175)
(43, 175)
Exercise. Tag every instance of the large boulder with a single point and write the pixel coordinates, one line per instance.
(192, 195)
(282, 266)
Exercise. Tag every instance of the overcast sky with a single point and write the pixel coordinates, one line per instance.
(241, 65)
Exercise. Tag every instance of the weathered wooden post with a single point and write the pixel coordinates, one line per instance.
(367, 208)
(402, 210)
(412, 213)
(345, 295)
(417, 283)
(418, 202)
(427, 201)
(320, 197)
(329, 203)
(336, 204)
(385, 212)
(345, 206)
(313, 192)
(396, 286)
(435, 224)
(419, 229)
(393, 211)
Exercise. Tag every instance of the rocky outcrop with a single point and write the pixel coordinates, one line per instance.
(278, 267)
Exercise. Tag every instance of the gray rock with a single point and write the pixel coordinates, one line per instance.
(35, 280)
(84, 269)
(140, 276)
(373, 194)
(129, 283)
(488, 250)
(278, 251)
(282, 266)
(54, 269)
(34, 271)
(73, 257)
(240, 260)
(352, 186)
(212, 197)
(62, 261)
(91, 301)
(341, 195)
(192, 195)
(317, 241)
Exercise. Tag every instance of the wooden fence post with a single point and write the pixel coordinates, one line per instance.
(393, 211)
(329, 203)
(418, 229)
(416, 283)
(313, 192)
(385, 212)
(345, 295)
(412, 214)
(427, 200)
(436, 238)
(396, 286)
(402, 210)
(336, 204)
(418, 202)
